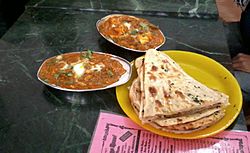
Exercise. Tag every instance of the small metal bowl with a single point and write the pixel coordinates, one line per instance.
(123, 79)
(99, 22)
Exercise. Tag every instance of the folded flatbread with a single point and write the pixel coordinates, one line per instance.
(164, 96)
(177, 124)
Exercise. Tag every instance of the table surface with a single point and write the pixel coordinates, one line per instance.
(179, 8)
(36, 118)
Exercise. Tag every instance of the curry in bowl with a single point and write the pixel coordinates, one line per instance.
(130, 32)
(83, 71)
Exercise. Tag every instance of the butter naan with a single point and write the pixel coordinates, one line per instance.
(166, 97)
(177, 124)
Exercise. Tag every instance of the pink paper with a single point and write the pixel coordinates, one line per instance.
(118, 134)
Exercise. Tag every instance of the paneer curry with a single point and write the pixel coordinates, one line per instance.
(131, 32)
(81, 70)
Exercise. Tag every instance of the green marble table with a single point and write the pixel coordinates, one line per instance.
(37, 119)
(178, 8)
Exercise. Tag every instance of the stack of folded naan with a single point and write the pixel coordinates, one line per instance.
(166, 97)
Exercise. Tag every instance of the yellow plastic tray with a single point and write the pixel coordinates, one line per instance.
(208, 72)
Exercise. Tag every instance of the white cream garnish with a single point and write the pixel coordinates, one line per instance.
(79, 69)
(97, 67)
(127, 24)
(65, 66)
(59, 57)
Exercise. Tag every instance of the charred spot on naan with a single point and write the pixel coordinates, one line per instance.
(180, 94)
(158, 103)
(154, 68)
(165, 61)
(152, 77)
(166, 94)
(179, 120)
(153, 91)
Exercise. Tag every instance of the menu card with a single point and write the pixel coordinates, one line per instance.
(118, 134)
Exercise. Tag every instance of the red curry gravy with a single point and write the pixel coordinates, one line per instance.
(81, 70)
(131, 32)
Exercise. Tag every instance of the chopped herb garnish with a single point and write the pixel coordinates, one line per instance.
(69, 74)
(110, 73)
(87, 54)
(195, 98)
(56, 75)
(144, 26)
(133, 32)
(197, 86)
